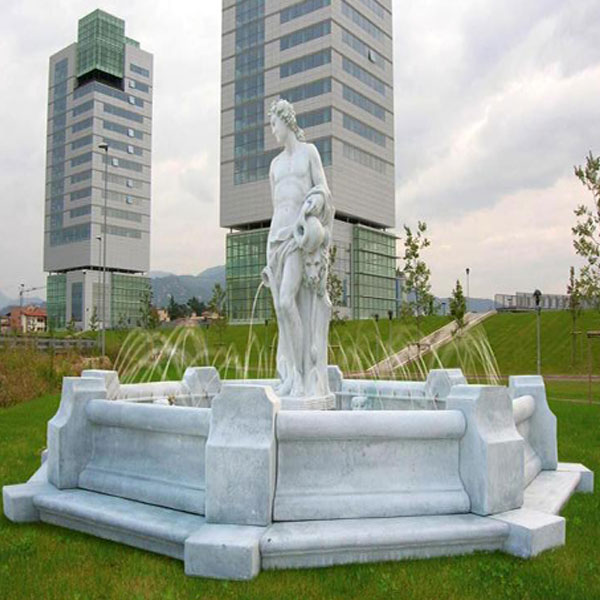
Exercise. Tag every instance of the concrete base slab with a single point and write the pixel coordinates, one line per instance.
(550, 491)
(314, 403)
(18, 500)
(532, 532)
(326, 543)
(152, 528)
(586, 483)
(224, 552)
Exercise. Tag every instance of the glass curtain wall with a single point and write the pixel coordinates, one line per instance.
(126, 295)
(56, 301)
(101, 44)
(251, 163)
(246, 258)
(373, 273)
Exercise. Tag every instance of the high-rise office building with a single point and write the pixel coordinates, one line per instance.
(333, 60)
(98, 140)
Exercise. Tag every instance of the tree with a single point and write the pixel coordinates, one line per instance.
(334, 284)
(586, 232)
(94, 319)
(458, 305)
(416, 272)
(148, 314)
(71, 326)
(196, 306)
(176, 310)
(217, 302)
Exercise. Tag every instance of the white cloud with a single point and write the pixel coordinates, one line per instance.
(521, 243)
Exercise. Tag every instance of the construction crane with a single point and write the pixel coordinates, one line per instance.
(23, 291)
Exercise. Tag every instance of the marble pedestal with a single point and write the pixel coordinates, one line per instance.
(308, 403)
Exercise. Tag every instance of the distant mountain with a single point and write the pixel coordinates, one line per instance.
(5, 301)
(156, 274)
(184, 287)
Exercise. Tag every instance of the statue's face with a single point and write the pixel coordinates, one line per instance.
(313, 268)
(279, 129)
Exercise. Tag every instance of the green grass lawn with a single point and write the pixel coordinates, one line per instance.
(40, 561)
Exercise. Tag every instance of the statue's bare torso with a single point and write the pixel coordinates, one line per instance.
(291, 180)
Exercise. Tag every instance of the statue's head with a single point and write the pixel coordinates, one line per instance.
(283, 119)
(315, 270)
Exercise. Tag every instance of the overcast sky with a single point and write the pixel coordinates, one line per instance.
(495, 102)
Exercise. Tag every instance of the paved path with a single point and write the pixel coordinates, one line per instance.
(426, 344)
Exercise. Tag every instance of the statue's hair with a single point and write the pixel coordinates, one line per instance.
(285, 111)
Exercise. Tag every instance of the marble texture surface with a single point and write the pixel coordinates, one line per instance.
(241, 456)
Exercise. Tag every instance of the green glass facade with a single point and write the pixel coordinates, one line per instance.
(246, 258)
(373, 273)
(56, 300)
(126, 293)
(101, 44)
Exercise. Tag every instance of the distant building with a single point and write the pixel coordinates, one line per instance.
(28, 319)
(526, 301)
(334, 62)
(100, 92)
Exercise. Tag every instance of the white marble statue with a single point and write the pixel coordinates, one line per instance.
(297, 258)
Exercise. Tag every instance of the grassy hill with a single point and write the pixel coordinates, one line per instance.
(512, 338)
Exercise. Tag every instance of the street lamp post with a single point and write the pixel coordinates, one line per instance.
(101, 315)
(538, 296)
(104, 146)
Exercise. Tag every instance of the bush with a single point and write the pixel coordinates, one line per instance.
(27, 373)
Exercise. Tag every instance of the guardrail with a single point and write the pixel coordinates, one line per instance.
(42, 343)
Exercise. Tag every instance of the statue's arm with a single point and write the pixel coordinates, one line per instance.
(316, 167)
(318, 179)
(272, 181)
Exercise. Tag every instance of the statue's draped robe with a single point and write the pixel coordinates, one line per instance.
(313, 303)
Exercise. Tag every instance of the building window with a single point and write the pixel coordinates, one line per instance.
(249, 10)
(81, 159)
(139, 70)
(375, 7)
(81, 142)
(314, 118)
(363, 102)
(249, 88)
(304, 63)
(363, 76)
(364, 130)
(115, 161)
(80, 211)
(305, 35)
(362, 22)
(81, 125)
(79, 194)
(89, 105)
(301, 9)
(250, 62)
(124, 114)
(364, 158)
(363, 49)
(249, 115)
(308, 90)
(70, 235)
(247, 36)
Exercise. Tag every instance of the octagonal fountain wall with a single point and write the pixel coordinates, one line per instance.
(218, 474)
